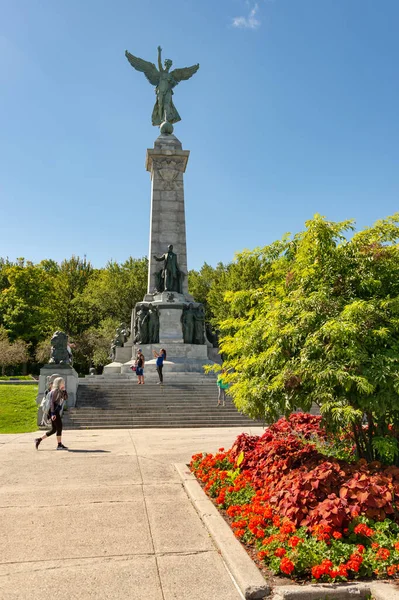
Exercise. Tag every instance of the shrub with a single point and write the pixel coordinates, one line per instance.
(306, 515)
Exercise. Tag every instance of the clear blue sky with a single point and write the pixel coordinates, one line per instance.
(294, 111)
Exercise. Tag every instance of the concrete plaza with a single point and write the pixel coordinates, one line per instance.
(109, 519)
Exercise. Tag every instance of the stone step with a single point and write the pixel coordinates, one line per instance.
(151, 414)
(167, 416)
(164, 423)
(151, 378)
(143, 417)
(152, 419)
(142, 405)
(134, 401)
(126, 394)
(123, 404)
(145, 393)
(183, 409)
(154, 386)
(162, 426)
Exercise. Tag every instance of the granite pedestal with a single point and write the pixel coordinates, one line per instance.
(70, 376)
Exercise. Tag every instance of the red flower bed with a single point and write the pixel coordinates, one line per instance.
(306, 514)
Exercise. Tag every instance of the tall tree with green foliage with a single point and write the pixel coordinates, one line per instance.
(69, 310)
(209, 285)
(24, 301)
(115, 290)
(199, 285)
(322, 327)
(11, 354)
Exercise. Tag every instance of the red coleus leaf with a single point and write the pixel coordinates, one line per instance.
(362, 497)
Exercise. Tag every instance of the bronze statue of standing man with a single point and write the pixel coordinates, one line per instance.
(164, 80)
(170, 277)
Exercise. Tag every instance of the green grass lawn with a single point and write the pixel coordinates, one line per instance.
(18, 411)
(20, 377)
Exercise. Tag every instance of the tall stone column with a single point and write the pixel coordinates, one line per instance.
(167, 163)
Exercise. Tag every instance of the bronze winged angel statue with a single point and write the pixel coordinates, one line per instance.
(164, 80)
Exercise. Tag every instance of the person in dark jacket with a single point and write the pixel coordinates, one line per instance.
(140, 361)
(58, 396)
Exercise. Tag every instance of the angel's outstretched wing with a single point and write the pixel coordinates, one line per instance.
(185, 73)
(149, 69)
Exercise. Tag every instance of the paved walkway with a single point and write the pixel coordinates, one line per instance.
(107, 520)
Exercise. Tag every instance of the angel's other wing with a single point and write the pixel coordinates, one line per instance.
(185, 73)
(149, 69)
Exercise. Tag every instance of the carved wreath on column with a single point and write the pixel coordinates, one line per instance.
(168, 169)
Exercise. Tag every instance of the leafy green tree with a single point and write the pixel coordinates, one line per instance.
(199, 285)
(322, 327)
(242, 274)
(11, 354)
(43, 351)
(70, 311)
(93, 346)
(4, 265)
(209, 285)
(114, 291)
(24, 301)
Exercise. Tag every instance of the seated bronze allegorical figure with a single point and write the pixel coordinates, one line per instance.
(141, 333)
(121, 336)
(60, 355)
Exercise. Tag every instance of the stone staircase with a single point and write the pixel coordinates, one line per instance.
(121, 403)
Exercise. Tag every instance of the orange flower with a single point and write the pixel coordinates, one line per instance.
(259, 533)
(354, 562)
(294, 541)
(383, 553)
(362, 529)
(342, 571)
(374, 545)
(286, 566)
(287, 527)
(280, 552)
(323, 568)
(391, 570)
(239, 533)
(333, 574)
(337, 535)
(267, 512)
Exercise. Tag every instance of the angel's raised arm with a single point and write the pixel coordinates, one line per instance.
(160, 67)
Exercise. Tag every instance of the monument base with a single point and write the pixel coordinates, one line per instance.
(70, 376)
(180, 358)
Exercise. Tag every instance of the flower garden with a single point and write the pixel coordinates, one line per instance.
(303, 510)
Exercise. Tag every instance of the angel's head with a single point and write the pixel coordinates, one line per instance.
(168, 63)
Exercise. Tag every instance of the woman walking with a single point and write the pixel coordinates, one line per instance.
(160, 356)
(58, 396)
(140, 360)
